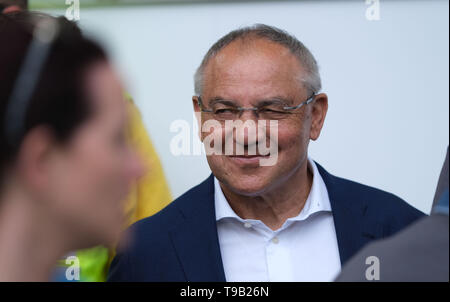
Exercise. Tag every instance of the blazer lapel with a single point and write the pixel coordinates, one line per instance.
(195, 239)
(353, 228)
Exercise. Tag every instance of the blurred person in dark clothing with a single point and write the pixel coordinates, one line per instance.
(65, 163)
(418, 253)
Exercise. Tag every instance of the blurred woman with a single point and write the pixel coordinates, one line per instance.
(65, 164)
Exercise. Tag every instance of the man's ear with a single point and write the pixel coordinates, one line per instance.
(34, 156)
(318, 114)
(198, 116)
(195, 104)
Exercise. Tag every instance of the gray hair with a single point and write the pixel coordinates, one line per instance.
(311, 81)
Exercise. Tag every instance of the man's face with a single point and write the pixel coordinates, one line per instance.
(250, 73)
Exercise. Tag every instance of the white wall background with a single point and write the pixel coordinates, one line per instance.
(387, 81)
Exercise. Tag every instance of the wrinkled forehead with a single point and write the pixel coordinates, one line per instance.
(257, 67)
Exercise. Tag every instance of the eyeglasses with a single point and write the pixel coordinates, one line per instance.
(269, 110)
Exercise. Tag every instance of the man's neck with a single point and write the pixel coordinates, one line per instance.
(282, 202)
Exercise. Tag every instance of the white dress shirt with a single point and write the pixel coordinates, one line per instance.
(303, 249)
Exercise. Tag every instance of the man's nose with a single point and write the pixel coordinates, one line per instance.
(248, 132)
(248, 114)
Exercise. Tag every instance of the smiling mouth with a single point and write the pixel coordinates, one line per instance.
(247, 156)
(247, 160)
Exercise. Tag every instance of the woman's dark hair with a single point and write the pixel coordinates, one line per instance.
(59, 99)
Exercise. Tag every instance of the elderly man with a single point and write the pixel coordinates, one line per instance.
(286, 221)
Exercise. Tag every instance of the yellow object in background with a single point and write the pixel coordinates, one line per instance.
(150, 195)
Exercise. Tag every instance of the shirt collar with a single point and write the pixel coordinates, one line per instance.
(317, 201)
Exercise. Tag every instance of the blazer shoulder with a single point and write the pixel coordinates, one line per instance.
(353, 191)
(381, 199)
(382, 207)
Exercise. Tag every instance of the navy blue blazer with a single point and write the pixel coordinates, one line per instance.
(180, 243)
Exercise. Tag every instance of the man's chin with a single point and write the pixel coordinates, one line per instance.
(247, 188)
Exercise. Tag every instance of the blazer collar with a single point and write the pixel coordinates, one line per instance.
(353, 228)
(195, 239)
